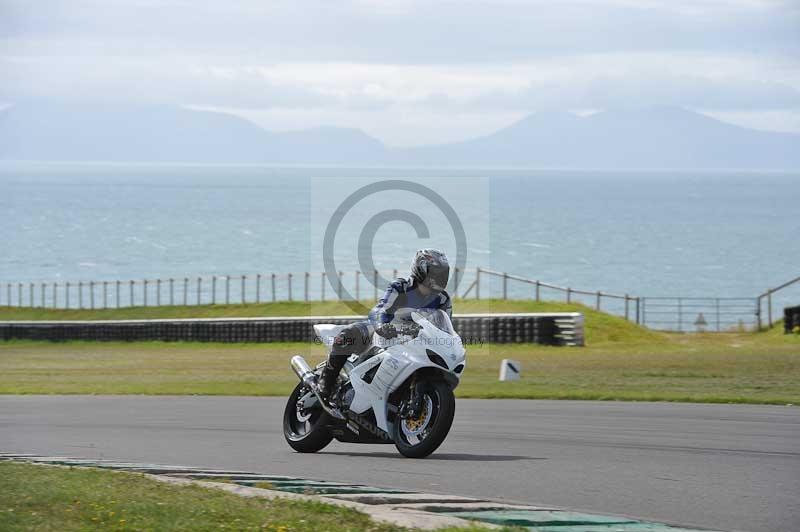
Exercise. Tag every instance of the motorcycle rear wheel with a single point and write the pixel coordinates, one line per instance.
(305, 431)
(419, 437)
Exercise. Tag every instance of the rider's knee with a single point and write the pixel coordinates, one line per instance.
(352, 339)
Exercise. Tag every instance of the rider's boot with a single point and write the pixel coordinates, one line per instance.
(327, 381)
(342, 347)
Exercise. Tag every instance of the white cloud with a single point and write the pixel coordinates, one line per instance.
(408, 71)
(583, 81)
(403, 32)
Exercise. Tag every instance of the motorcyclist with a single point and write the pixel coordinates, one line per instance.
(424, 288)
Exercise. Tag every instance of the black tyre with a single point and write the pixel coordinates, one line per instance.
(417, 438)
(305, 430)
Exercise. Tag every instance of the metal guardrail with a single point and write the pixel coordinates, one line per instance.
(674, 313)
(687, 314)
(629, 309)
(198, 290)
(719, 314)
(768, 297)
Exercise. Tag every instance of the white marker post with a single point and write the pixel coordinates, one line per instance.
(510, 370)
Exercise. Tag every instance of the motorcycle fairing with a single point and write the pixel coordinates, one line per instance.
(327, 333)
(398, 362)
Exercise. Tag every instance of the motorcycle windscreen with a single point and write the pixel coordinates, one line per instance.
(438, 318)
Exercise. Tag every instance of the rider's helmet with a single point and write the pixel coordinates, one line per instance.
(430, 268)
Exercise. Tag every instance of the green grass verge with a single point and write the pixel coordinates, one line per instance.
(47, 498)
(621, 361)
(730, 368)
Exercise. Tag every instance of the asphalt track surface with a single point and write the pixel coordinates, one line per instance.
(729, 467)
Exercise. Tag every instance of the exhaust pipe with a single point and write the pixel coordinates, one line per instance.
(309, 378)
(303, 371)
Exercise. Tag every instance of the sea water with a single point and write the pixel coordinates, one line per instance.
(666, 233)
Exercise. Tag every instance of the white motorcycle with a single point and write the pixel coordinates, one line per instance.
(398, 391)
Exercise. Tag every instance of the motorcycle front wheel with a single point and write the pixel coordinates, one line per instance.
(305, 430)
(419, 437)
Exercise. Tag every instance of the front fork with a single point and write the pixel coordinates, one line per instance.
(413, 408)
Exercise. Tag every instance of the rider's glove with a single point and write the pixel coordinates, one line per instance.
(386, 330)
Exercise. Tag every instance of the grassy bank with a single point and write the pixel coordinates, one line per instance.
(281, 308)
(618, 363)
(599, 326)
(35, 497)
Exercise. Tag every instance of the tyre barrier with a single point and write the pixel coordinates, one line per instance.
(791, 319)
(565, 328)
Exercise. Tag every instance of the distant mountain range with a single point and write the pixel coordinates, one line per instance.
(657, 137)
(53, 132)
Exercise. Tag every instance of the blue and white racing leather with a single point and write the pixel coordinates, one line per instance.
(402, 297)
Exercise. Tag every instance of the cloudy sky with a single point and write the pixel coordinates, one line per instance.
(409, 71)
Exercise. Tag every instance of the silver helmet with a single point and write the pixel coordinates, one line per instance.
(431, 268)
